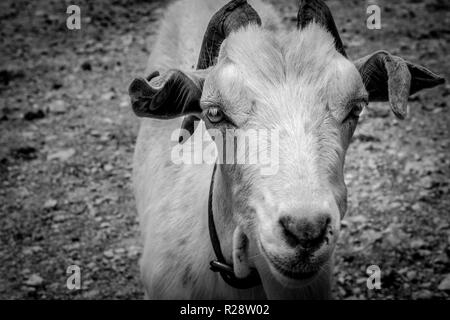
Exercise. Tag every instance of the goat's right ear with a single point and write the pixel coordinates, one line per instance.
(167, 96)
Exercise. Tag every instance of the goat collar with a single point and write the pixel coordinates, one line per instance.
(220, 265)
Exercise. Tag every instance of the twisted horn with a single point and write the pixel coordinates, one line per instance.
(232, 16)
(318, 11)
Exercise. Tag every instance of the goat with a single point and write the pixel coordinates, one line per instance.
(251, 73)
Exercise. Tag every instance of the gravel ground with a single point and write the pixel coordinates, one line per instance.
(67, 135)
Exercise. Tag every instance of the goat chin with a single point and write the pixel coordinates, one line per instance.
(279, 287)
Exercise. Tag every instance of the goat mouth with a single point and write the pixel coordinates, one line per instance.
(288, 273)
(295, 275)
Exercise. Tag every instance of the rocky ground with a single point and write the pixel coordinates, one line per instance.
(67, 135)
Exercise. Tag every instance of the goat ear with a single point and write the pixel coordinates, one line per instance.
(390, 78)
(170, 95)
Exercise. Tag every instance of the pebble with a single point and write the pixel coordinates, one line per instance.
(34, 280)
(50, 204)
(445, 284)
(105, 225)
(107, 96)
(442, 258)
(57, 107)
(31, 250)
(62, 155)
(124, 104)
(108, 253)
(120, 250)
(91, 294)
(60, 218)
(422, 295)
(417, 243)
(411, 275)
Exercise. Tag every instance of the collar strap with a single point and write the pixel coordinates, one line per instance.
(220, 265)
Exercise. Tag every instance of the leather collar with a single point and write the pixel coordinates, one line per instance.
(220, 265)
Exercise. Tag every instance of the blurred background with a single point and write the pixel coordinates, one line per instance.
(67, 134)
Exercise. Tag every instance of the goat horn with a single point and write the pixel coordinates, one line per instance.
(232, 16)
(318, 11)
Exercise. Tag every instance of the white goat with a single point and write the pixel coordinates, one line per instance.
(299, 82)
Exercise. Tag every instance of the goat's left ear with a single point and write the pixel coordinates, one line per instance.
(390, 78)
(170, 95)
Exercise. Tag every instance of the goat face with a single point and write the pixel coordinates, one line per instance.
(302, 86)
(308, 96)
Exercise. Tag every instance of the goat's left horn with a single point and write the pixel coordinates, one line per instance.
(318, 11)
(232, 16)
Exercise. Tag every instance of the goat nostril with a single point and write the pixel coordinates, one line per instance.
(289, 236)
(308, 233)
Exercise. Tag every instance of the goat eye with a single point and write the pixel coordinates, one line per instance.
(214, 115)
(357, 108)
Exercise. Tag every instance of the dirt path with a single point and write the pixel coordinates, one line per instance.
(67, 135)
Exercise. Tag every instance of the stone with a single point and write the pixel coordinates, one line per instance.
(445, 283)
(34, 280)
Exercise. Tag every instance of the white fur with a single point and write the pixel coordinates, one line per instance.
(172, 199)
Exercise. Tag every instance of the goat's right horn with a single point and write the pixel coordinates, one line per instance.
(318, 11)
(232, 16)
